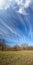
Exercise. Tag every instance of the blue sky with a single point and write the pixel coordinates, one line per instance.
(16, 21)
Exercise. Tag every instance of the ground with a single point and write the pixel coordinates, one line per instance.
(16, 58)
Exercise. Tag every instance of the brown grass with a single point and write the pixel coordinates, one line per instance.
(16, 58)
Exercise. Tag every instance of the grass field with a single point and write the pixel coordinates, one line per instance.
(16, 58)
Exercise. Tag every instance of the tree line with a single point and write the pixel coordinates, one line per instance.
(4, 47)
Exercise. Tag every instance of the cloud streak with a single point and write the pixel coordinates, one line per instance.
(4, 4)
(17, 28)
(21, 5)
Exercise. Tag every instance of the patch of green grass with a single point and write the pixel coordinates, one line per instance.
(16, 58)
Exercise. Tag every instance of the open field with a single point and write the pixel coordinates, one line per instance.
(16, 58)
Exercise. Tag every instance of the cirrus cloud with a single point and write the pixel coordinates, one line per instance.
(4, 4)
(21, 5)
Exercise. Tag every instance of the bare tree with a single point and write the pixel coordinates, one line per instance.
(24, 45)
(2, 44)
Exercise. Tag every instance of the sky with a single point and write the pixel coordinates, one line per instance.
(16, 21)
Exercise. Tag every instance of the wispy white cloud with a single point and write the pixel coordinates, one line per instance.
(31, 33)
(27, 3)
(11, 30)
(6, 29)
(4, 4)
(15, 29)
(22, 4)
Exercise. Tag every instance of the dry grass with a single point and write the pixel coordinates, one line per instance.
(16, 58)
